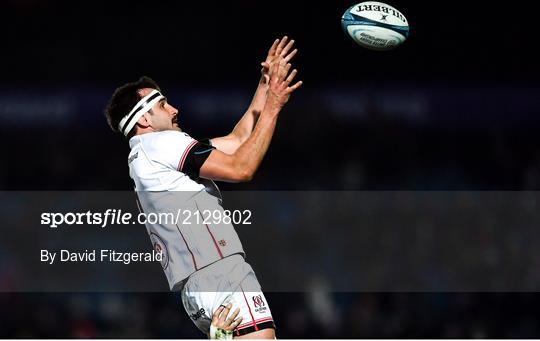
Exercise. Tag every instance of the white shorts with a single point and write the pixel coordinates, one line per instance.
(230, 280)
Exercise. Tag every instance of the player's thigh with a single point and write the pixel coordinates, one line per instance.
(254, 310)
(268, 333)
(198, 306)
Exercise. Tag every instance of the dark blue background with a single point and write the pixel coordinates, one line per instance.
(455, 107)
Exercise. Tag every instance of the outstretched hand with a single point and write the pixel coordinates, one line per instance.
(280, 50)
(280, 88)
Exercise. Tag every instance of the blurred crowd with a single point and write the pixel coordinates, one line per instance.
(382, 139)
(338, 315)
(313, 149)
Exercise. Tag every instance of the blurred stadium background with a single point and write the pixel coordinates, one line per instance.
(455, 108)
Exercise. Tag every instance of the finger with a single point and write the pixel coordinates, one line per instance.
(291, 76)
(281, 67)
(225, 312)
(273, 48)
(276, 73)
(235, 324)
(283, 72)
(287, 48)
(281, 45)
(295, 86)
(215, 315)
(233, 316)
(286, 70)
(291, 55)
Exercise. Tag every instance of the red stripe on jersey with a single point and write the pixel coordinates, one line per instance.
(249, 308)
(246, 325)
(214, 239)
(211, 234)
(192, 256)
(185, 154)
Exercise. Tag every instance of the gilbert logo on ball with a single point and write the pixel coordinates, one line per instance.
(375, 25)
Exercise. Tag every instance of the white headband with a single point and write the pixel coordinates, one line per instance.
(145, 104)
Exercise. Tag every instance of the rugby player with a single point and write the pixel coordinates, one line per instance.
(204, 261)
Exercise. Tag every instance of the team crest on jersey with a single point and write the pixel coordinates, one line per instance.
(159, 247)
(258, 301)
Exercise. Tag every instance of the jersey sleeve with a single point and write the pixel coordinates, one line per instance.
(196, 157)
(179, 151)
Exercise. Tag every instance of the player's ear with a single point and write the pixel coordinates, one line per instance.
(144, 121)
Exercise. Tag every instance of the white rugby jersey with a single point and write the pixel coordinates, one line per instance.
(165, 167)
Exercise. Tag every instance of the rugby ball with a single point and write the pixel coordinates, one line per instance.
(375, 25)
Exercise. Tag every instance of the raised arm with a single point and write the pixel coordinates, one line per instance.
(244, 162)
(280, 49)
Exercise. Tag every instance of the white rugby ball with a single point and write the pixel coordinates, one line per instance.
(375, 25)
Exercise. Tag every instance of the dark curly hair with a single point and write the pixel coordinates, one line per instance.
(123, 100)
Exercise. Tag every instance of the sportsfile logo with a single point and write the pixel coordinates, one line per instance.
(119, 217)
(101, 219)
